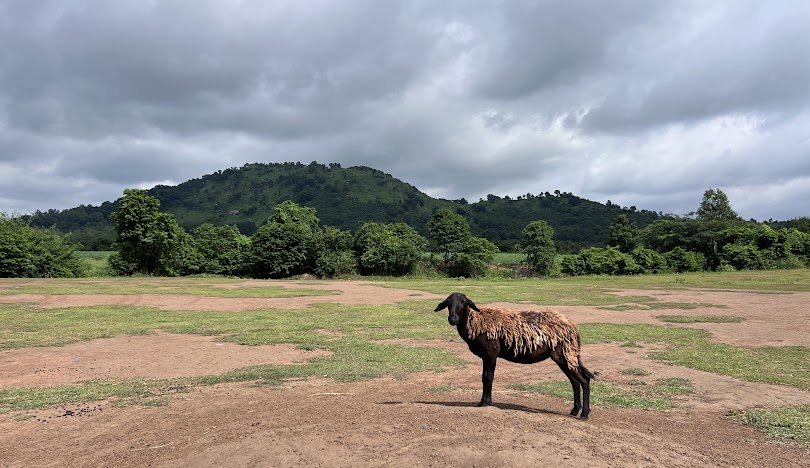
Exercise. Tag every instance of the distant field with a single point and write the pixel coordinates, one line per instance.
(96, 261)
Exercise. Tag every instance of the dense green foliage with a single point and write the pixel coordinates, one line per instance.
(623, 234)
(538, 245)
(716, 239)
(346, 198)
(388, 249)
(149, 241)
(217, 250)
(448, 232)
(462, 254)
(27, 252)
(715, 206)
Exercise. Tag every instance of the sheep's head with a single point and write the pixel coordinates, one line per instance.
(456, 304)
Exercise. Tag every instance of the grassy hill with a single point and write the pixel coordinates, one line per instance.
(346, 198)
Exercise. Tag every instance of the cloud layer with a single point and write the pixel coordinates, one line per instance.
(640, 103)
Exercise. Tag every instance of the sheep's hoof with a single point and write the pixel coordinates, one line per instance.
(584, 417)
(574, 411)
(484, 403)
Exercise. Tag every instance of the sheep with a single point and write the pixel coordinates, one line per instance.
(522, 337)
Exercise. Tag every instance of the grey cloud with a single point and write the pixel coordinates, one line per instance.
(750, 59)
(636, 102)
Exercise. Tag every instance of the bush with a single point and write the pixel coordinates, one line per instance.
(335, 256)
(680, 260)
(27, 252)
(473, 260)
(649, 261)
(388, 249)
(599, 261)
(279, 250)
(538, 245)
(217, 250)
(743, 257)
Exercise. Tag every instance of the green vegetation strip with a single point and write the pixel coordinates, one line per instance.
(553, 291)
(656, 396)
(353, 360)
(187, 287)
(699, 319)
(783, 365)
(24, 325)
(784, 424)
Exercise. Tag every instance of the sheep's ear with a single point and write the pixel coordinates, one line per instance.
(442, 305)
(472, 305)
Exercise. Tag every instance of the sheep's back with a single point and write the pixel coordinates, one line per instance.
(526, 331)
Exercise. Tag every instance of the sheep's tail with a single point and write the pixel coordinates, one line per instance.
(587, 373)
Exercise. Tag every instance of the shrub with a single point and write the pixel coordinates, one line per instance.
(680, 260)
(475, 256)
(599, 261)
(334, 253)
(538, 245)
(388, 249)
(649, 261)
(27, 252)
(279, 250)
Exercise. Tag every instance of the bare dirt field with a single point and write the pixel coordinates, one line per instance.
(389, 422)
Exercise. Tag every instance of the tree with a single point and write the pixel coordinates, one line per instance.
(149, 240)
(473, 258)
(335, 256)
(448, 231)
(222, 250)
(680, 260)
(286, 244)
(538, 245)
(623, 234)
(388, 249)
(801, 223)
(279, 250)
(27, 252)
(716, 207)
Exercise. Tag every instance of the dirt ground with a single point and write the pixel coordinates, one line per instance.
(388, 422)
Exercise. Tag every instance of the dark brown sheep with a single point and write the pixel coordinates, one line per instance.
(522, 337)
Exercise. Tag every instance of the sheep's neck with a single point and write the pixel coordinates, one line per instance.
(461, 326)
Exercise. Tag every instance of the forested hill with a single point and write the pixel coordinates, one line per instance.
(346, 198)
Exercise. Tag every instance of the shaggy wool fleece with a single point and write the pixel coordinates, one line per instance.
(527, 332)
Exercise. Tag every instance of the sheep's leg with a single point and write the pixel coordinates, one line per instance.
(487, 376)
(575, 386)
(585, 382)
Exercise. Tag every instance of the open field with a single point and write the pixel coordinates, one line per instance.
(695, 370)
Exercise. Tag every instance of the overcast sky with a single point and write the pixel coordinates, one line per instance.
(645, 103)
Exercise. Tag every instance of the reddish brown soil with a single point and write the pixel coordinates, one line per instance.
(389, 422)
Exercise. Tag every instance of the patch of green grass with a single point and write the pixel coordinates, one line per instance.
(784, 424)
(442, 389)
(589, 288)
(657, 396)
(95, 262)
(24, 398)
(25, 325)
(509, 258)
(663, 305)
(699, 318)
(219, 287)
(634, 371)
(784, 365)
(353, 360)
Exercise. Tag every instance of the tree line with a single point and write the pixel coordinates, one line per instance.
(713, 238)
(293, 242)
